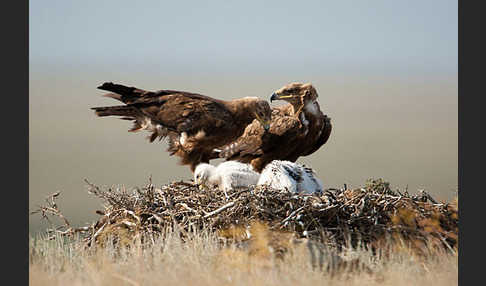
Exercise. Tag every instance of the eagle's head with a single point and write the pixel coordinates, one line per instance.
(263, 113)
(296, 93)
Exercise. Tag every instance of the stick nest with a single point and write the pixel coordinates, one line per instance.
(366, 215)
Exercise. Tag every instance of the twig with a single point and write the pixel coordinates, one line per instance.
(291, 215)
(228, 205)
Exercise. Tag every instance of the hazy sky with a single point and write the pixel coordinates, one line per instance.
(377, 37)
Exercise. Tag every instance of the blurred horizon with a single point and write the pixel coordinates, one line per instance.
(386, 74)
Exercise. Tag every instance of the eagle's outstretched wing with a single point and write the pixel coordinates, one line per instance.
(194, 124)
(174, 110)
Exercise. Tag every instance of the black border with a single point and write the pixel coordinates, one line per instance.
(471, 171)
(15, 196)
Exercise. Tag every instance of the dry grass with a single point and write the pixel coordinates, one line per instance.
(203, 261)
(179, 235)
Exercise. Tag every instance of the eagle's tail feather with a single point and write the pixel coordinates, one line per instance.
(120, 110)
(118, 88)
(114, 96)
(121, 92)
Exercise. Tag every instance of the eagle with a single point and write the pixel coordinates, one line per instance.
(294, 177)
(298, 128)
(193, 124)
(226, 176)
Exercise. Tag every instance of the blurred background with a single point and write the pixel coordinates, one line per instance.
(386, 73)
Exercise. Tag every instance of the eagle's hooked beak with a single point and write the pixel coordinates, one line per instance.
(279, 97)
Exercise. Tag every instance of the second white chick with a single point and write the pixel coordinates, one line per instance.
(294, 177)
(226, 176)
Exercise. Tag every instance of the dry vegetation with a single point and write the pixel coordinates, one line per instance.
(178, 234)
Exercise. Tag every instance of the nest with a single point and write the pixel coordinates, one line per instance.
(364, 215)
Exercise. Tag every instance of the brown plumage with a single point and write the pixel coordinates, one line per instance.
(193, 124)
(297, 129)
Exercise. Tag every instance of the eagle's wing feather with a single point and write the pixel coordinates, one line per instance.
(184, 112)
(175, 110)
(324, 136)
(254, 142)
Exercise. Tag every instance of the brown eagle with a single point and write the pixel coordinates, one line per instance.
(297, 129)
(193, 124)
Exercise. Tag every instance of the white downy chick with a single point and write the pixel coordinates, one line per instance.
(226, 176)
(291, 176)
